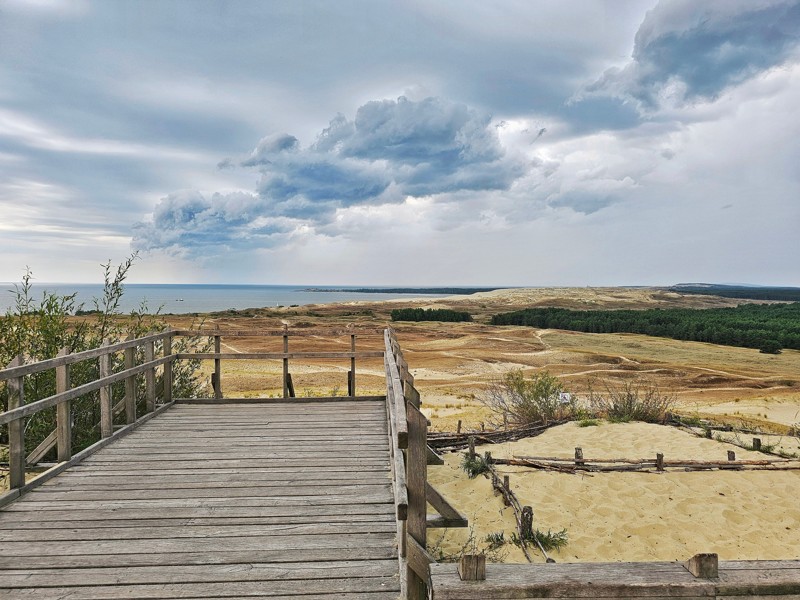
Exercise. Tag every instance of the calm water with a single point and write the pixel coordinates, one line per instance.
(205, 298)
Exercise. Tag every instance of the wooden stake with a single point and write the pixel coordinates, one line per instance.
(659, 462)
(472, 567)
(731, 455)
(526, 523)
(471, 442)
(579, 456)
(756, 444)
(507, 486)
(703, 566)
(458, 427)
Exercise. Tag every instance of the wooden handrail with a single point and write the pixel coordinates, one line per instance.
(71, 359)
(275, 355)
(276, 332)
(76, 392)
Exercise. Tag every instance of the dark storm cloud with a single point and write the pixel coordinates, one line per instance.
(687, 50)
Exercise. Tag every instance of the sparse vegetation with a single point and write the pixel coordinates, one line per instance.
(39, 329)
(476, 465)
(549, 540)
(527, 401)
(632, 401)
(588, 423)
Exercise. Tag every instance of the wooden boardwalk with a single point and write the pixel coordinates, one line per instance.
(224, 500)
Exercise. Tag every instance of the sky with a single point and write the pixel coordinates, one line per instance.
(402, 142)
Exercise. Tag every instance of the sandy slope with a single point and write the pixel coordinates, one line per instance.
(633, 516)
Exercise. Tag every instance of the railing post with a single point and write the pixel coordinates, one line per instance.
(417, 476)
(167, 379)
(150, 376)
(106, 404)
(130, 385)
(63, 413)
(16, 429)
(217, 365)
(285, 363)
(353, 365)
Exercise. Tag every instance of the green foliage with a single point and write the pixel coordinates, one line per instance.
(495, 540)
(588, 423)
(770, 347)
(531, 401)
(550, 540)
(771, 326)
(476, 465)
(430, 314)
(632, 401)
(38, 329)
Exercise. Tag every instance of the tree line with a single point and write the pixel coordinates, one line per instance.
(430, 314)
(767, 327)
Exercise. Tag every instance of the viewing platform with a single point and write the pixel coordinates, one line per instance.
(276, 498)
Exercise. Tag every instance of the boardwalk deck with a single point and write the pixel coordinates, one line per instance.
(216, 501)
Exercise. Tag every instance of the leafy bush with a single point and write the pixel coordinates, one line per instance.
(40, 329)
(430, 314)
(633, 402)
(532, 401)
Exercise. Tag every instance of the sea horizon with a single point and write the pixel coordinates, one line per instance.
(182, 298)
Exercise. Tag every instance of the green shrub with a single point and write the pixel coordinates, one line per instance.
(532, 401)
(633, 402)
(476, 465)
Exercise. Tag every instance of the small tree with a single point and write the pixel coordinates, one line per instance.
(531, 401)
(39, 329)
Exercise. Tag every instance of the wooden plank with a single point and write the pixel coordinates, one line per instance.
(130, 386)
(112, 495)
(106, 401)
(235, 589)
(333, 399)
(450, 515)
(10, 497)
(329, 332)
(63, 412)
(395, 392)
(42, 449)
(16, 429)
(418, 559)
(215, 531)
(219, 557)
(416, 473)
(285, 355)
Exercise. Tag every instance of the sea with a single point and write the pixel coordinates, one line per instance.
(202, 298)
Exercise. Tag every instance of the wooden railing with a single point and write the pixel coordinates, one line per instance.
(410, 457)
(18, 410)
(62, 436)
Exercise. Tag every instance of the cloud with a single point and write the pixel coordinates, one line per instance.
(391, 150)
(687, 51)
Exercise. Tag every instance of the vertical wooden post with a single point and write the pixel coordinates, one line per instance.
(167, 379)
(458, 427)
(579, 457)
(106, 401)
(353, 365)
(659, 462)
(472, 567)
(526, 523)
(285, 363)
(63, 413)
(150, 377)
(16, 429)
(731, 455)
(471, 442)
(507, 488)
(416, 476)
(756, 444)
(218, 365)
(130, 385)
